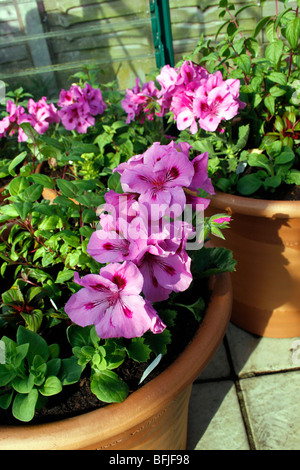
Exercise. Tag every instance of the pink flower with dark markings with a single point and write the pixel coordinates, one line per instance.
(164, 272)
(79, 106)
(42, 114)
(139, 102)
(200, 181)
(112, 302)
(160, 178)
(11, 124)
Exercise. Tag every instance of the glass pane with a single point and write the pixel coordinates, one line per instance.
(42, 43)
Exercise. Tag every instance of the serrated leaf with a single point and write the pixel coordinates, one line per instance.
(138, 350)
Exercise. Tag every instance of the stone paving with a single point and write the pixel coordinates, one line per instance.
(248, 397)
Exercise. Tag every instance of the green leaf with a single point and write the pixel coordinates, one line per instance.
(53, 367)
(108, 387)
(9, 212)
(244, 132)
(37, 344)
(6, 375)
(114, 183)
(33, 319)
(23, 385)
(70, 371)
(79, 336)
(259, 160)
(293, 177)
(23, 407)
(51, 386)
(272, 182)
(158, 343)
(18, 185)
(138, 350)
(6, 399)
(68, 188)
(244, 63)
(286, 156)
(278, 77)
(23, 209)
(32, 193)
(249, 184)
(269, 102)
(64, 276)
(15, 162)
(209, 261)
(276, 91)
(49, 223)
(292, 32)
(274, 52)
(43, 180)
(260, 25)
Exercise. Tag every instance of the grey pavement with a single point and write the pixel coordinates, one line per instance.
(248, 397)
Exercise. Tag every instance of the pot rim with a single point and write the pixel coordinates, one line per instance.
(152, 397)
(232, 203)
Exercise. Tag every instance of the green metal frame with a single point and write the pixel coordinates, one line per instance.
(162, 33)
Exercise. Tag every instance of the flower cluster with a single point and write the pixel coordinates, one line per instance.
(144, 240)
(194, 96)
(78, 108)
(139, 102)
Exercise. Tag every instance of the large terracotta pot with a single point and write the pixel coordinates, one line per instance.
(154, 417)
(265, 239)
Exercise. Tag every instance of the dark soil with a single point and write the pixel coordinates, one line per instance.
(288, 192)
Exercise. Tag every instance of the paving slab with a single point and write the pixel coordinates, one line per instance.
(252, 354)
(215, 420)
(218, 367)
(272, 406)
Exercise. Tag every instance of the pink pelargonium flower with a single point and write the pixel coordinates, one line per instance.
(164, 272)
(113, 242)
(160, 178)
(79, 106)
(42, 114)
(112, 302)
(138, 101)
(94, 98)
(11, 123)
(216, 100)
(200, 181)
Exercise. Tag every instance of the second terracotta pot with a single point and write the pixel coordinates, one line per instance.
(265, 239)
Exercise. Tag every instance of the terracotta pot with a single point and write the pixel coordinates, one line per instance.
(265, 239)
(153, 417)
